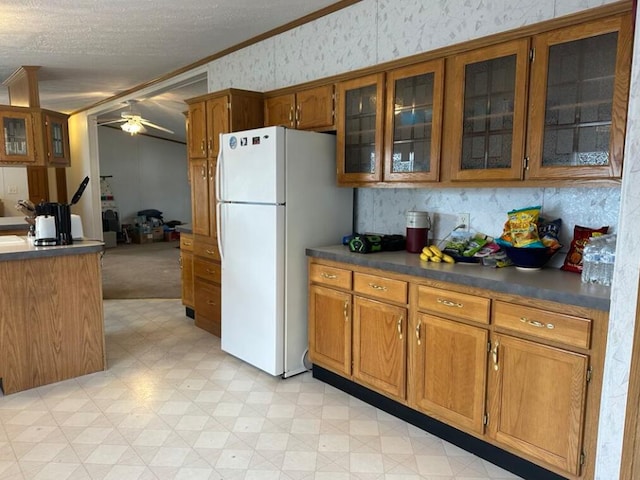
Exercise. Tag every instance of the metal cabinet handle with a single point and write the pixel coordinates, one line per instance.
(211, 177)
(537, 324)
(378, 287)
(345, 311)
(212, 303)
(203, 172)
(418, 327)
(399, 326)
(494, 354)
(449, 303)
(186, 243)
(180, 262)
(209, 144)
(210, 252)
(329, 276)
(208, 270)
(202, 146)
(298, 114)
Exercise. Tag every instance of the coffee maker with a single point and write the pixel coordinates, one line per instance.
(53, 220)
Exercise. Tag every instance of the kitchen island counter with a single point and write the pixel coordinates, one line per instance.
(51, 312)
(546, 284)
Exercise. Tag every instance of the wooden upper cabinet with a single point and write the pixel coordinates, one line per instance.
(280, 111)
(56, 136)
(221, 112)
(486, 108)
(197, 133)
(413, 123)
(17, 142)
(217, 123)
(309, 109)
(359, 125)
(578, 100)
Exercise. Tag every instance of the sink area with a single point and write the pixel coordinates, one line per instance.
(11, 240)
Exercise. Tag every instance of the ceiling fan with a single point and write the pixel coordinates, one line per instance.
(132, 122)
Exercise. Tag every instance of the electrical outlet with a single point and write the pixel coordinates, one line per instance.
(12, 189)
(463, 219)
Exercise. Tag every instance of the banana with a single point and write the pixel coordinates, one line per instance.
(436, 251)
(427, 251)
(448, 258)
(424, 257)
(436, 259)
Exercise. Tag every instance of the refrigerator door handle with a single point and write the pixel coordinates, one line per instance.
(218, 183)
(219, 229)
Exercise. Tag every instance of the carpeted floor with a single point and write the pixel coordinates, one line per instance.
(150, 270)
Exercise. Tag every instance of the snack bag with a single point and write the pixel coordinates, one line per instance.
(581, 235)
(549, 232)
(523, 224)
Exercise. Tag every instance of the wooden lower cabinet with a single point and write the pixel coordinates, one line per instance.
(538, 400)
(449, 365)
(207, 285)
(380, 346)
(330, 329)
(511, 371)
(186, 269)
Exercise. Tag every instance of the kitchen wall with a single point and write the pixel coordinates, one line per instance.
(375, 31)
(13, 187)
(147, 172)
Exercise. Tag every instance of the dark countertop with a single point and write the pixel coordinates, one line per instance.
(546, 284)
(185, 228)
(13, 247)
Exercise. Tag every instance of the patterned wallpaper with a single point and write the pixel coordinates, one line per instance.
(375, 31)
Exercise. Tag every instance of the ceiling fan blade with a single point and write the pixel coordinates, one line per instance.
(153, 125)
(108, 122)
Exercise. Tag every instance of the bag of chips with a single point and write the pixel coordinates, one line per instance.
(523, 224)
(581, 235)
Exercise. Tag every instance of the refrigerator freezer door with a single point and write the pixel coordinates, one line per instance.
(253, 284)
(251, 166)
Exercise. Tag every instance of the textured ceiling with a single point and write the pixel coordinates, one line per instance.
(90, 50)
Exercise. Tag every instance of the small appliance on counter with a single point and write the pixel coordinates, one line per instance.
(369, 243)
(418, 225)
(53, 221)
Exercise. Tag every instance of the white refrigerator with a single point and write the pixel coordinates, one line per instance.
(276, 195)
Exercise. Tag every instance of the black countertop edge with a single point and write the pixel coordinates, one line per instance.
(79, 247)
(184, 228)
(21, 226)
(546, 284)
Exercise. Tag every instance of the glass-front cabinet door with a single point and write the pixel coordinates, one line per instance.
(484, 136)
(17, 137)
(578, 98)
(57, 133)
(414, 122)
(359, 126)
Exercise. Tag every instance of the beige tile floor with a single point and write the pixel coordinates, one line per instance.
(172, 405)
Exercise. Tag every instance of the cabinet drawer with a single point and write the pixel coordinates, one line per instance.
(186, 242)
(210, 271)
(456, 304)
(380, 287)
(206, 250)
(336, 277)
(554, 326)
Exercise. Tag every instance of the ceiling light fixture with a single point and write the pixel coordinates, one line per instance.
(132, 127)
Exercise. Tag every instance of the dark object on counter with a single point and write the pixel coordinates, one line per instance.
(61, 213)
(368, 243)
(533, 257)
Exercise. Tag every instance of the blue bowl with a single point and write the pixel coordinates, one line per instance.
(534, 257)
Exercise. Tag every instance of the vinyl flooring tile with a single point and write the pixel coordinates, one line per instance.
(172, 405)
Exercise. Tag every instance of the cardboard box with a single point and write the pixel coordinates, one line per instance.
(157, 234)
(171, 235)
(110, 239)
(138, 237)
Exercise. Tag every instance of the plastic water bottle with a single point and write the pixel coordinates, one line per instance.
(598, 257)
